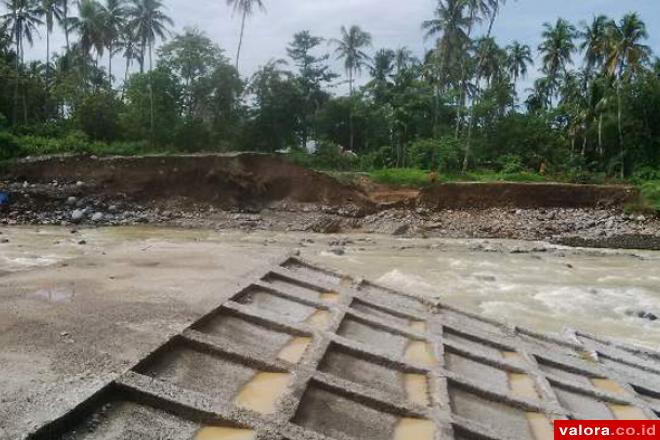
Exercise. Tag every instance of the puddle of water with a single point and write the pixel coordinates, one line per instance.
(513, 357)
(541, 427)
(420, 353)
(54, 295)
(263, 392)
(320, 319)
(417, 389)
(418, 326)
(294, 350)
(217, 433)
(627, 412)
(522, 385)
(414, 429)
(608, 385)
(331, 297)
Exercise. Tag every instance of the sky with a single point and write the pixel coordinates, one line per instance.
(392, 23)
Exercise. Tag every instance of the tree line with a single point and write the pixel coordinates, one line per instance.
(594, 109)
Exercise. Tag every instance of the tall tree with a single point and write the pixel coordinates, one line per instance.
(192, 56)
(65, 22)
(246, 8)
(381, 72)
(519, 57)
(403, 59)
(114, 20)
(313, 73)
(557, 47)
(23, 19)
(626, 56)
(495, 7)
(148, 23)
(52, 10)
(350, 48)
(450, 22)
(595, 41)
(130, 47)
(89, 25)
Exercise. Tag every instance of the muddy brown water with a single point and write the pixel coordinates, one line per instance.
(544, 287)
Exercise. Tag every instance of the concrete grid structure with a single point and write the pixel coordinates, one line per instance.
(304, 352)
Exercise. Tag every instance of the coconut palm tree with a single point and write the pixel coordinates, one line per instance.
(23, 20)
(89, 26)
(349, 48)
(490, 62)
(557, 47)
(478, 10)
(114, 20)
(246, 8)
(52, 10)
(65, 22)
(403, 59)
(495, 6)
(625, 58)
(128, 44)
(595, 41)
(148, 22)
(519, 56)
(452, 23)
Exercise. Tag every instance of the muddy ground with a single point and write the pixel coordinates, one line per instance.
(260, 192)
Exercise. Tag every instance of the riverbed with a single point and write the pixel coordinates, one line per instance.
(610, 293)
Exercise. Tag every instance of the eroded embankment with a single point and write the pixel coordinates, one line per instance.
(525, 195)
(260, 192)
(223, 181)
(258, 180)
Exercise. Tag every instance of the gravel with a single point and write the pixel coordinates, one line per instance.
(47, 204)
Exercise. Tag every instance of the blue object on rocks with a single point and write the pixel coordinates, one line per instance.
(4, 198)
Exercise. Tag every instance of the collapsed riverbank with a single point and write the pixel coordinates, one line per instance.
(261, 192)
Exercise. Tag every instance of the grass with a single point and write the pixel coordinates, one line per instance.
(400, 176)
(416, 178)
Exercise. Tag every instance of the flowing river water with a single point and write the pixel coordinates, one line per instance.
(610, 293)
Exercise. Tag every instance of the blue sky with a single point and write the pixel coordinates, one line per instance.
(392, 23)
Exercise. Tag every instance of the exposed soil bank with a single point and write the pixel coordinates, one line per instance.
(223, 181)
(525, 196)
(260, 192)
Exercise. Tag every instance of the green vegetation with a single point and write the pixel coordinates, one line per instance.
(123, 84)
(651, 195)
(401, 176)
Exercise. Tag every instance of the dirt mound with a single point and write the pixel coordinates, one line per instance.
(225, 181)
(525, 196)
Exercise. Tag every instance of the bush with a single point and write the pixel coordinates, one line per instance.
(330, 156)
(192, 135)
(98, 116)
(384, 157)
(646, 174)
(9, 146)
(651, 195)
(510, 164)
(73, 142)
(444, 154)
